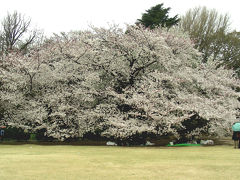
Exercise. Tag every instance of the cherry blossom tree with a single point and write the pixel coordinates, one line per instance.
(116, 84)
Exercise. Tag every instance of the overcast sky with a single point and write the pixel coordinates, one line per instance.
(65, 15)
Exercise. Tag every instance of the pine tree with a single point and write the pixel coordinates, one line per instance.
(157, 16)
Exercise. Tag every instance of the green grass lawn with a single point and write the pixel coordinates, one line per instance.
(65, 162)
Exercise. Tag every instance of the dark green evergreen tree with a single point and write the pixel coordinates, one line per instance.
(157, 16)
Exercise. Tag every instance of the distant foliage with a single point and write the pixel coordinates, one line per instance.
(16, 33)
(117, 84)
(208, 29)
(158, 16)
